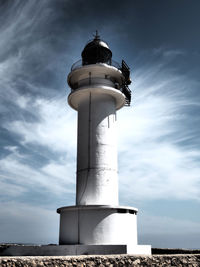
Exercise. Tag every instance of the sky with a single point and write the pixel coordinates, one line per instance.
(158, 135)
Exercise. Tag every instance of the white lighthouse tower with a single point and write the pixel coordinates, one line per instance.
(97, 224)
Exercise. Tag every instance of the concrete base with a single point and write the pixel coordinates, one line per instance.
(70, 250)
(98, 226)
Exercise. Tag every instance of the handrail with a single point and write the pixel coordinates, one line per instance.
(79, 64)
(125, 71)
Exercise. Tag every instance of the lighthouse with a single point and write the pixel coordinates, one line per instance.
(96, 224)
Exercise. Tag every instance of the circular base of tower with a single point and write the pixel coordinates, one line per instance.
(98, 225)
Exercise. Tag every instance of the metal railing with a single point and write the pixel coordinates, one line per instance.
(125, 71)
(79, 64)
(127, 92)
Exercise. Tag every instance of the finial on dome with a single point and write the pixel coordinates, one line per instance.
(96, 36)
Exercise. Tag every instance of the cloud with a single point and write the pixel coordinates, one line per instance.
(155, 160)
(10, 189)
(44, 158)
(22, 176)
(55, 128)
(37, 125)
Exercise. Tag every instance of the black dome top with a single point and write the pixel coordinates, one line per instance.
(96, 51)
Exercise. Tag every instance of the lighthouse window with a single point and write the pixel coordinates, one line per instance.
(75, 86)
(116, 85)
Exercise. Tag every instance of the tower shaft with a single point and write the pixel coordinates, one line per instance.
(97, 177)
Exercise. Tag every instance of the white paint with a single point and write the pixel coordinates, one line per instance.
(96, 101)
(101, 225)
(97, 151)
(98, 225)
(81, 93)
(100, 71)
(97, 219)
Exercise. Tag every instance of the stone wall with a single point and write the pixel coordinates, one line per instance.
(117, 260)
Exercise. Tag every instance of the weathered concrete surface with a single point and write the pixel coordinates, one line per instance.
(111, 260)
(59, 250)
(100, 225)
(70, 250)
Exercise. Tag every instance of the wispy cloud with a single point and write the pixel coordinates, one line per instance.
(155, 160)
(55, 128)
(17, 172)
(53, 137)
